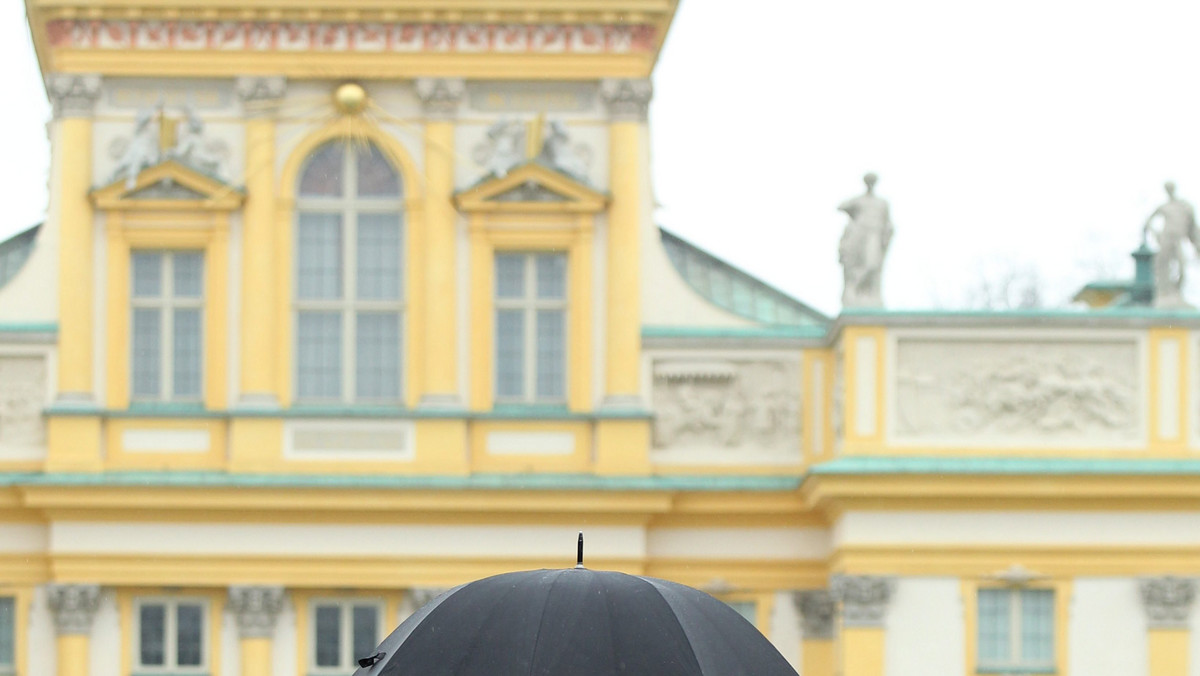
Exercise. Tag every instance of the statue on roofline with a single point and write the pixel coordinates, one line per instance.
(1178, 227)
(863, 246)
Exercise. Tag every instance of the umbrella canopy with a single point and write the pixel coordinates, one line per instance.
(575, 622)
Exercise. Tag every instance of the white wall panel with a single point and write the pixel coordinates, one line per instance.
(23, 537)
(42, 647)
(1107, 629)
(1016, 528)
(925, 628)
(739, 543)
(785, 628)
(105, 646)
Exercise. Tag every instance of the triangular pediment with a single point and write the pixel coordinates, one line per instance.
(169, 185)
(531, 187)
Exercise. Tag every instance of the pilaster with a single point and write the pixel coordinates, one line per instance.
(1168, 602)
(864, 600)
(818, 615)
(440, 100)
(73, 607)
(256, 610)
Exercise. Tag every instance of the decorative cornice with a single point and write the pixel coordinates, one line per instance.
(440, 96)
(1168, 601)
(256, 609)
(627, 100)
(818, 610)
(261, 90)
(864, 599)
(74, 607)
(73, 95)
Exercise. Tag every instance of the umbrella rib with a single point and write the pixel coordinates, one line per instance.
(682, 628)
(537, 638)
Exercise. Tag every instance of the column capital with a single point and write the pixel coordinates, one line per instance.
(627, 100)
(74, 607)
(1168, 601)
(864, 598)
(260, 93)
(818, 610)
(73, 95)
(256, 609)
(440, 96)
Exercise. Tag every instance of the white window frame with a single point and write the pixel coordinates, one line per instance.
(11, 668)
(170, 635)
(529, 303)
(166, 303)
(349, 205)
(1015, 666)
(346, 631)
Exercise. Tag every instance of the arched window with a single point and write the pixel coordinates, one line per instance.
(349, 276)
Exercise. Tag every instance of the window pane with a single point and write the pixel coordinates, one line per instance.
(323, 174)
(319, 256)
(510, 275)
(551, 275)
(147, 352)
(189, 275)
(147, 275)
(186, 355)
(510, 353)
(152, 620)
(8, 630)
(551, 354)
(1037, 626)
(329, 636)
(379, 256)
(366, 630)
(377, 351)
(319, 354)
(995, 645)
(376, 178)
(189, 626)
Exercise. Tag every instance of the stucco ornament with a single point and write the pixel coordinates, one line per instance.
(864, 598)
(727, 406)
(503, 149)
(863, 247)
(192, 149)
(139, 152)
(818, 610)
(1168, 601)
(560, 154)
(1170, 263)
(22, 396)
(74, 607)
(256, 609)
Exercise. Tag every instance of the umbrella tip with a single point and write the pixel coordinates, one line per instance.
(579, 552)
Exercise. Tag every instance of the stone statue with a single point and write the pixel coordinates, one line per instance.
(142, 150)
(1178, 226)
(863, 247)
(507, 147)
(191, 148)
(558, 153)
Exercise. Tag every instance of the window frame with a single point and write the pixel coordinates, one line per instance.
(165, 304)
(345, 606)
(14, 635)
(170, 635)
(348, 206)
(1061, 589)
(530, 304)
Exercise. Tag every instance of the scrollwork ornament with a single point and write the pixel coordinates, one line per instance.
(256, 609)
(1168, 601)
(864, 598)
(818, 611)
(627, 100)
(73, 95)
(73, 607)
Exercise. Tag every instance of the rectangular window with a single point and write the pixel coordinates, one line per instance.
(531, 327)
(8, 635)
(171, 635)
(342, 632)
(168, 327)
(1016, 630)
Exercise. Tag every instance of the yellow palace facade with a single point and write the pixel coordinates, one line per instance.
(339, 304)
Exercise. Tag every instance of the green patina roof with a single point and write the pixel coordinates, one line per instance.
(732, 289)
(1004, 466)
(520, 482)
(14, 251)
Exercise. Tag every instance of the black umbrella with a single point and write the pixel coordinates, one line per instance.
(575, 622)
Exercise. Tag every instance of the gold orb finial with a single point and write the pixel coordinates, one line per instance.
(350, 98)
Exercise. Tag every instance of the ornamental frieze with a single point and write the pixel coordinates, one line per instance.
(351, 37)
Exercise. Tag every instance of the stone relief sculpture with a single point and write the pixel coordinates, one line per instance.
(837, 407)
(863, 246)
(1009, 390)
(559, 153)
(1178, 227)
(503, 149)
(193, 149)
(748, 406)
(22, 396)
(137, 153)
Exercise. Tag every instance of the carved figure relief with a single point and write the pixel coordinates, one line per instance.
(503, 149)
(1017, 390)
(139, 152)
(559, 153)
(727, 405)
(145, 148)
(192, 149)
(22, 395)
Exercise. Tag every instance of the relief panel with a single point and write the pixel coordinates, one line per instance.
(22, 397)
(726, 410)
(1031, 392)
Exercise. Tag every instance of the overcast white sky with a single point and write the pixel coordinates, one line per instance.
(1019, 135)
